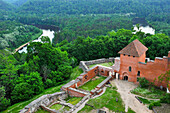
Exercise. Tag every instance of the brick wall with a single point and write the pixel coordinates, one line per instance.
(76, 93)
(150, 70)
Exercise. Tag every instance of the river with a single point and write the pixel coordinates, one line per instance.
(49, 33)
(144, 26)
(145, 29)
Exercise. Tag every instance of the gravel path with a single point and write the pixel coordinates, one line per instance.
(128, 98)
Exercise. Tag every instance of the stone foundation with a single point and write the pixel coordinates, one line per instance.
(84, 64)
(44, 100)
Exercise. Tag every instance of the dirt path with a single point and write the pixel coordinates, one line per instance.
(128, 98)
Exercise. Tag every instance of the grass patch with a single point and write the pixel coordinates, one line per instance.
(152, 93)
(108, 100)
(66, 108)
(76, 72)
(18, 106)
(56, 106)
(41, 111)
(92, 84)
(108, 64)
(74, 100)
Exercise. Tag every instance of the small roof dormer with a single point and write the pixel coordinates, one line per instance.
(135, 48)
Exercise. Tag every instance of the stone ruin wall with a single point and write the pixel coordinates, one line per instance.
(48, 99)
(44, 100)
(84, 64)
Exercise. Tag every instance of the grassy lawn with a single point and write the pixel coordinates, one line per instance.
(18, 106)
(92, 84)
(66, 108)
(56, 106)
(41, 111)
(153, 93)
(108, 100)
(145, 101)
(76, 72)
(74, 100)
(108, 64)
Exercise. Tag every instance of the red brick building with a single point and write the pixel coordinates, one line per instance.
(132, 64)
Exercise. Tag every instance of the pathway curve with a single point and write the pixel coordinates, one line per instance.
(124, 88)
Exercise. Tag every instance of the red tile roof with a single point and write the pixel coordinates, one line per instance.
(135, 48)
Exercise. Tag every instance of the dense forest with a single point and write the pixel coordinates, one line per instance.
(69, 15)
(24, 75)
(89, 29)
(109, 45)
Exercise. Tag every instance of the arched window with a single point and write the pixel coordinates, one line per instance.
(138, 73)
(86, 77)
(130, 68)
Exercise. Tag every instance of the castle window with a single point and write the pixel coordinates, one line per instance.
(130, 68)
(133, 56)
(123, 54)
(138, 73)
(86, 77)
(95, 71)
(128, 55)
(102, 71)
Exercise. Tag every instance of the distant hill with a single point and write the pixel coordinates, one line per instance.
(16, 2)
(20, 2)
(140, 7)
(5, 6)
(10, 1)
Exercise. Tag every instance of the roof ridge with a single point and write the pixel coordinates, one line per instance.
(136, 46)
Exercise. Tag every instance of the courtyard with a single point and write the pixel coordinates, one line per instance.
(124, 88)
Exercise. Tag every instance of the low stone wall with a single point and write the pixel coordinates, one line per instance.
(98, 61)
(48, 109)
(98, 90)
(84, 64)
(43, 100)
(78, 105)
(76, 92)
(104, 82)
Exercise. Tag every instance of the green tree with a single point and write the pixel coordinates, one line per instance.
(21, 92)
(165, 78)
(4, 102)
(35, 81)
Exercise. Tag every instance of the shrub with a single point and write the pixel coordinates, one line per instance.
(157, 103)
(48, 83)
(151, 106)
(165, 99)
(143, 82)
